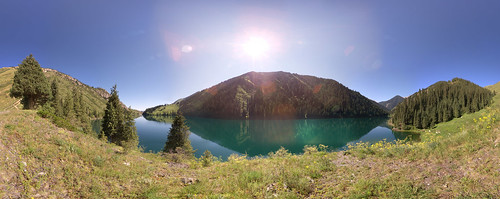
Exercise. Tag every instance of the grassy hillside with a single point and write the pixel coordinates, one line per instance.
(95, 98)
(40, 160)
(459, 158)
(162, 110)
(6, 80)
(494, 87)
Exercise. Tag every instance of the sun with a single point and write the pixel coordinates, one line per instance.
(256, 47)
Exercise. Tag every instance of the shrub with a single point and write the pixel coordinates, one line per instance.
(282, 152)
(207, 158)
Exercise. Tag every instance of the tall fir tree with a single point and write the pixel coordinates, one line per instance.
(118, 125)
(30, 83)
(68, 107)
(178, 136)
(56, 98)
(130, 139)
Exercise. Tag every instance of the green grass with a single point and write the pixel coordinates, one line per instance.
(162, 110)
(91, 96)
(6, 80)
(457, 159)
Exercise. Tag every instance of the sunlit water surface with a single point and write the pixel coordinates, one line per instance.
(259, 137)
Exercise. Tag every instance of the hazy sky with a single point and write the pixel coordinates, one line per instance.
(160, 51)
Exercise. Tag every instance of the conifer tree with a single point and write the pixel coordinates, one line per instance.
(129, 133)
(178, 136)
(68, 107)
(56, 98)
(30, 83)
(118, 125)
(112, 116)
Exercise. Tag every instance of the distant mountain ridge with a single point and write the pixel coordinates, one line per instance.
(278, 95)
(392, 103)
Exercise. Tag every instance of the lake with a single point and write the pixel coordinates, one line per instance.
(259, 137)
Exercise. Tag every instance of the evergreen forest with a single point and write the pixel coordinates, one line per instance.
(440, 102)
(279, 95)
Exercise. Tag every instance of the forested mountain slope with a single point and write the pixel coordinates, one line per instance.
(258, 95)
(79, 103)
(440, 102)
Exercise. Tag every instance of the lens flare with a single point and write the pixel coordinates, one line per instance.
(256, 47)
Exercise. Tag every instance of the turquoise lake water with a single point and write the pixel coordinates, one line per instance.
(259, 137)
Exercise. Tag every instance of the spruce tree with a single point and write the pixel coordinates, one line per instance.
(118, 124)
(178, 136)
(68, 108)
(112, 117)
(56, 98)
(130, 139)
(30, 83)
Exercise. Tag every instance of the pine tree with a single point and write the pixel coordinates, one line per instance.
(112, 117)
(129, 132)
(68, 108)
(56, 98)
(30, 83)
(178, 136)
(118, 125)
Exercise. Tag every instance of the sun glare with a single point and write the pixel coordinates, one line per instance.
(256, 47)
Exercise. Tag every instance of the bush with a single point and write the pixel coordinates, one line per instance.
(308, 150)
(207, 158)
(58, 121)
(282, 152)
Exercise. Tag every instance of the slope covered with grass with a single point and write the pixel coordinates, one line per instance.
(6, 80)
(162, 110)
(41, 160)
(459, 158)
(95, 98)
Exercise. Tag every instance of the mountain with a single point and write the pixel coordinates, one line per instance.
(278, 95)
(162, 110)
(440, 102)
(495, 87)
(93, 100)
(392, 103)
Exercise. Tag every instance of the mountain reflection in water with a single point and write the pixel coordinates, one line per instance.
(259, 137)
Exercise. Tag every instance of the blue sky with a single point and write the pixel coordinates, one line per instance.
(160, 51)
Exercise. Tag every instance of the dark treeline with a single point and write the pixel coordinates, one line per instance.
(440, 102)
